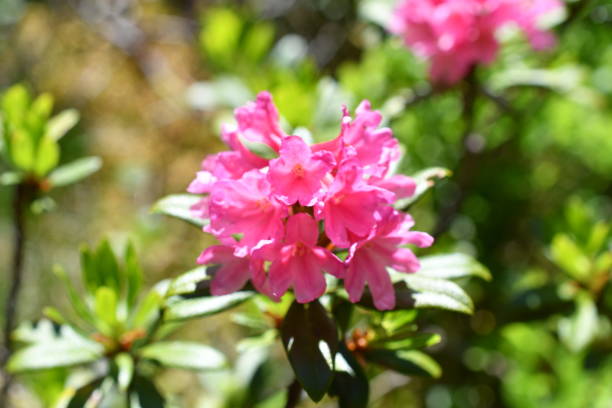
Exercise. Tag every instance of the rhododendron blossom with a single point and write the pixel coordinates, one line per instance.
(455, 35)
(285, 222)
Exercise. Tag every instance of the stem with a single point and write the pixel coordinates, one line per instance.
(20, 202)
(294, 392)
(464, 173)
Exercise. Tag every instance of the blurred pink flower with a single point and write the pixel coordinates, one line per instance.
(281, 222)
(455, 35)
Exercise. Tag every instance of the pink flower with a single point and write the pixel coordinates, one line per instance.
(368, 259)
(297, 174)
(374, 148)
(233, 272)
(245, 206)
(351, 205)
(455, 35)
(258, 121)
(300, 262)
(261, 211)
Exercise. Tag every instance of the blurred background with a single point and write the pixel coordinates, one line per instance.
(531, 194)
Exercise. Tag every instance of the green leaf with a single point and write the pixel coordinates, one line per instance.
(220, 35)
(125, 366)
(566, 254)
(106, 309)
(408, 362)
(398, 319)
(89, 272)
(342, 310)
(144, 394)
(82, 396)
(11, 178)
(37, 117)
(60, 124)
(451, 266)
(179, 206)
(579, 330)
(148, 310)
(425, 180)
(187, 355)
(192, 308)
(409, 340)
(350, 383)
(310, 338)
(188, 281)
(436, 293)
(107, 267)
(597, 238)
(78, 305)
(15, 104)
(54, 314)
(258, 41)
(47, 156)
(134, 274)
(60, 352)
(72, 172)
(22, 151)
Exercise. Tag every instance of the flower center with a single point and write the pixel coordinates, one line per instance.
(299, 249)
(298, 171)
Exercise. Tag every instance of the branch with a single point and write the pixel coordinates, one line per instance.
(21, 200)
(464, 173)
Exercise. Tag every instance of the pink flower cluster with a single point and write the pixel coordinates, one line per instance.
(283, 222)
(455, 35)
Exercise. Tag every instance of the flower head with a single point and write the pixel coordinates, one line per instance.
(284, 223)
(455, 35)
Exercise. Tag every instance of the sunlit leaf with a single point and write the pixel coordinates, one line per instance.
(72, 172)
(190, 308)
(179, 206)
(436, 293)
(59, 352)
(425, 180)
(450, 266)
(182, 354)
(408, 362)
(61, 123)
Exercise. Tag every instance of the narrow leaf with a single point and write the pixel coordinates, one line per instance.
(187, 355)
(125, 365)
(47, 156)
(134, 274)
(75, 171)
(56, 353)
(451, 266)
(144, 394)
(409, 362)
(436, 293)
(179, 206)
(187, 282)
(61, 123)
(425, 180)
(203, 306)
